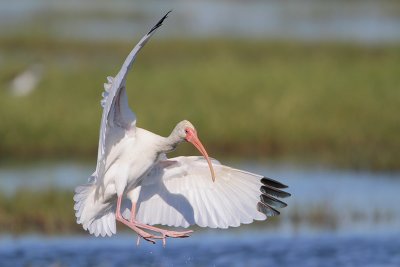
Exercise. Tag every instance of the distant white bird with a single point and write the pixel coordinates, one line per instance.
(24, 83)
(137, 185)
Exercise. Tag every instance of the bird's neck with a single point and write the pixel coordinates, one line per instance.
(170, 143)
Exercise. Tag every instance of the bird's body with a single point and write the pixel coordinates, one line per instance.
(130, 158)
(136, 184)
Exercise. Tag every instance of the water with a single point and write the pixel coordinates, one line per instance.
(353, 201)
(39, 176)
(334, 218)
(216, 249)
(361, 21)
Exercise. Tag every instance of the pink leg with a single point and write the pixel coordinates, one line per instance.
(132, 220)
(163, 232)
(133, 226)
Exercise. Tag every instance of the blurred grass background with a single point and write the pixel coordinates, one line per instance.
(329, 103)
(321, 89)
(19, 212)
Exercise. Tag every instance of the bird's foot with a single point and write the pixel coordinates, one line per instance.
(141, 234)
(174, 234)
(164, 233)
(146, 236)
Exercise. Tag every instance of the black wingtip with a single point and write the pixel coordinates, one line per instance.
(267, 209)
(269, 190)
(273, 202)
(159, 23)
(272, 182)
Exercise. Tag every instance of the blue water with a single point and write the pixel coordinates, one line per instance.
(218, 248)
(361, 21)
(357, 201)
(360, 225)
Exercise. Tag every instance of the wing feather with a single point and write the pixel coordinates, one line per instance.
(116, 111)
(183, 194)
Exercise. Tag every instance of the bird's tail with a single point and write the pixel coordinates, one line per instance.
(94, 213)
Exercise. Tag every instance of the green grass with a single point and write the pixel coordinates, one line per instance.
(334, 104)
(50, 211)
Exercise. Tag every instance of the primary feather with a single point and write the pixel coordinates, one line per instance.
(116, 111)
(179, 192)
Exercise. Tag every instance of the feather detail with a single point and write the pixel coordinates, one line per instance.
(183, 194)
(107, 87)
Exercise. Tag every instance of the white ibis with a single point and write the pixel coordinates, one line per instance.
(26, 82)
(137, 185)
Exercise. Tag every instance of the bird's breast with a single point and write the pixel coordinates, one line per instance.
(132, 158)
(140, 157)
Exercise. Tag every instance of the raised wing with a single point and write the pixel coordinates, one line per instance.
(117, 117)
(179, 192)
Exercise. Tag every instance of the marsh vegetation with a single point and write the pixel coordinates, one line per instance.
(334, 104)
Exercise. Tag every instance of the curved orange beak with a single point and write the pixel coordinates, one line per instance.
(191, 136)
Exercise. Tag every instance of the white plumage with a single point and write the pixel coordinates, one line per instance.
(136, 184)
(178, 192)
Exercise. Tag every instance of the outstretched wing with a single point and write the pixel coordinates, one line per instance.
(180, 192)
(117, 117)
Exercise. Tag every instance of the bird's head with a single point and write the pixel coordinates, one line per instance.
(186, 132)
(182, 130)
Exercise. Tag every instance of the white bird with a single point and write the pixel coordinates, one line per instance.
(26, 82)
(136, 184)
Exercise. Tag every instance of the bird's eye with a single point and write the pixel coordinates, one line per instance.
(186, 131)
